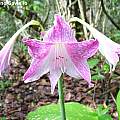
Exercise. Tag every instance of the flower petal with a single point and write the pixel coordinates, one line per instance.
(37, 49)
(5, 55)
(6, 51)
(107, 47)
(60, 32)
(84, 70)
(41, 61)
(71, 69)
(67, 65)
(54, 76)
(36, 70)
(60, 63)
(110, 50)
(83, 49)
(79, 52)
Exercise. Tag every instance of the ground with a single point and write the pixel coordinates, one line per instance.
(21, 98)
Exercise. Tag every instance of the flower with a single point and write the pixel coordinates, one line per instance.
(6, 51)
(107, 47)
(58, 53)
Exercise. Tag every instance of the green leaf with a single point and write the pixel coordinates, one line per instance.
(106, 68)
(3, 118)
(5, 84)
(118, 104)
(101, 110)
(97, 77)
(74, 111)
(102, 113)
(93, 62)
(105, 117)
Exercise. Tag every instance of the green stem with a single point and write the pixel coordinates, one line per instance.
(61, 98)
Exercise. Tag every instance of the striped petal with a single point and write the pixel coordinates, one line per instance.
(79, 53)
(40, 59)
(60, 32)
(36, 48)
(80, 50)
(60, 62)
(36, 70)
(54, 76)
(107, 47)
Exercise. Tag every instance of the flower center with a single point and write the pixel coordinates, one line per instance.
(60, 56)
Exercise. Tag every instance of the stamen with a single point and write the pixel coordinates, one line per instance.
(57, 58)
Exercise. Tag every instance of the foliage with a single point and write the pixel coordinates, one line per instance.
(106, 68)
(93, 62)
(102, 113)
(118, 104)
(41, 7)
(3, 118)
(7, 25)
(5, 84)
(74, 111)
(115, 35)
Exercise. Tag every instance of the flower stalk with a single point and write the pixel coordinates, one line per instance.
(61, 98)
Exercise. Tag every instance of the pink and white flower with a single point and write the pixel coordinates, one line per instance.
(107, 47)
(6, 51)
(58, 53)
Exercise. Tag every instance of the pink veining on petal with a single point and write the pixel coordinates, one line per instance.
(35, 64)
(60, 32)
(80, 50)
(37, 68)
(107, 47)
(37, 49)
(59, 53)
(54, 77)
(60, 63)
(79, 53)
(40, 61)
